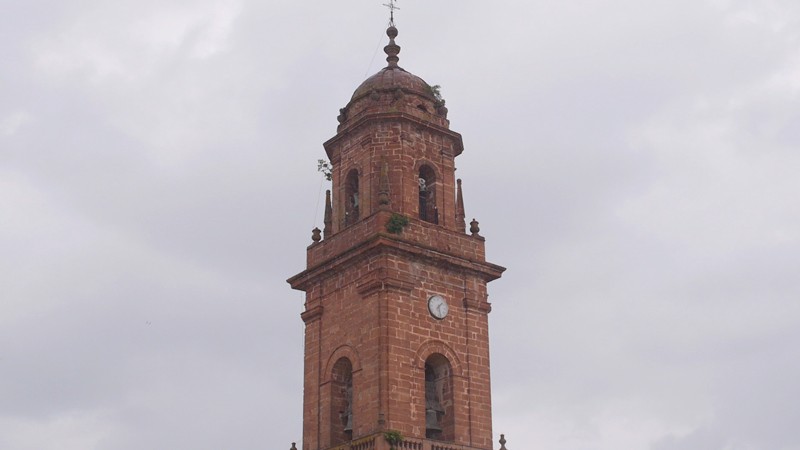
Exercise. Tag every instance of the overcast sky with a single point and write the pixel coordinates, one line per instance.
(633, 163)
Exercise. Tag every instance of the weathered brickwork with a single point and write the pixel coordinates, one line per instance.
(369, 332)
(404, 143)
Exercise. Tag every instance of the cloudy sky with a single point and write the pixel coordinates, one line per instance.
(633, 163)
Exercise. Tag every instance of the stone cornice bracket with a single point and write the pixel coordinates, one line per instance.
(378, 280)
(477, 305)
(311, 315)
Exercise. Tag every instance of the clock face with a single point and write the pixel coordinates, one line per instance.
(438, 306)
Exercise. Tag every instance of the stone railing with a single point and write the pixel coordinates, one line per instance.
(409, 444)
(369, 443)
(436, 446)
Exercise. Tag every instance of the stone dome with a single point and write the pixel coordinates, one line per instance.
(394, 89)
(392, 78)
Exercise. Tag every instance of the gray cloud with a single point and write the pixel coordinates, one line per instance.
(157, 186)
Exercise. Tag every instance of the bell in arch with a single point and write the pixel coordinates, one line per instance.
(432, 421)
(348, 427)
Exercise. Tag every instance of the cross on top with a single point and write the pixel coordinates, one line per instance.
(391, 7)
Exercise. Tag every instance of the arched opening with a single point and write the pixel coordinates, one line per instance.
(439, 411)
(341, 402)
(351, 206)
(427, 195)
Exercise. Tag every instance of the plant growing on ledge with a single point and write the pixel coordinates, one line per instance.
(393, 437)
(435, 91)
(396, 223)
(326, 169)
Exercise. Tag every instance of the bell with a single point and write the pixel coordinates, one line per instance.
(432, 420)
(349, 426)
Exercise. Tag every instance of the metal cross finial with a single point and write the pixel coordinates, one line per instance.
(391, 7)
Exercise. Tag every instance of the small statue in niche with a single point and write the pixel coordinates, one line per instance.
(354, 204)
(423, 199)
(347, 414)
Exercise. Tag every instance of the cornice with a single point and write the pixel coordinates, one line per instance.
(389, 116)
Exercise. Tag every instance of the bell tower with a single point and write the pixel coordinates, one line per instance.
(396, 310)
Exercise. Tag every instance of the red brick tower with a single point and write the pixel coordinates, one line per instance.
(396, 311)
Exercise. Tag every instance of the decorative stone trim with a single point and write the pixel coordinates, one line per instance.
(477, 305)
(312, 314)
(343, 351)
(433, 346)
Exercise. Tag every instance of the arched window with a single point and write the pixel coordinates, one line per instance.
(341, 402)
(439, 416)
(427, 195)
(351, 206)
